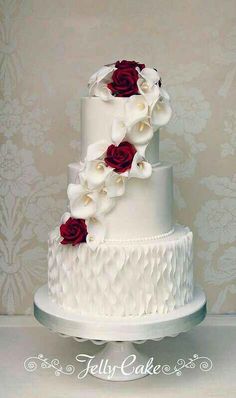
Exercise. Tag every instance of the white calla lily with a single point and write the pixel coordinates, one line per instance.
(140, 167)
(96, 232)
(96, 150)
(102, 91)
(82, 201)
(118, 131)
(150, 92)
(104, 73)
(141, 149)
(150, 75)
(136, 108)
(160, 113)
(96, 172)
(115, 185)
(81, 166)
(104, 202)
(83, 180)
(65, 217)
(140, 132)
(164, 94)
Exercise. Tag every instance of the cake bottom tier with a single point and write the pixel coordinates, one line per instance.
(122, 278)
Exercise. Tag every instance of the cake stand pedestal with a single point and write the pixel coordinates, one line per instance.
(120, 334)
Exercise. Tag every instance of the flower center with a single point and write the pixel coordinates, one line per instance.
(100, 166)
(118, 180)
(87, 200)
(140, 165)
(141, 106)
(141, 126)
(145, 87)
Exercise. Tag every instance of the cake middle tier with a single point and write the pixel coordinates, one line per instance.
(144, 210)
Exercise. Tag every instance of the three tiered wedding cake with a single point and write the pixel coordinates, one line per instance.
(117, 251)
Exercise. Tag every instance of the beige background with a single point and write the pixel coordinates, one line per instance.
(48, 50)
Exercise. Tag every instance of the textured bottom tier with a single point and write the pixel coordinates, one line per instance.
(122, 278)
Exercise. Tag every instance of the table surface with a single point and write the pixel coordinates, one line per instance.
(22, 337)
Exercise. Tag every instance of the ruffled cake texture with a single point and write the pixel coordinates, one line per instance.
(122, 279)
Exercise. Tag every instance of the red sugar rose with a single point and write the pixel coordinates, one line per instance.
(124, 78)
(129, 64)
(73, 231)
(120, 157)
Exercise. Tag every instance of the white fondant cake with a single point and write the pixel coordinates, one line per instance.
(117, 251)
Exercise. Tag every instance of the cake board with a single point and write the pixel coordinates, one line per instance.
(119, 333)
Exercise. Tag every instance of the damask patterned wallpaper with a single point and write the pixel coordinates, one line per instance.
(48, 50)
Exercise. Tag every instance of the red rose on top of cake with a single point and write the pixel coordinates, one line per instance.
(120, 157)
(74, 231)
(128, 64)
(124, 78)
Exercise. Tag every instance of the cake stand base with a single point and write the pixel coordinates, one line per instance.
(118, 332)
(114, 354)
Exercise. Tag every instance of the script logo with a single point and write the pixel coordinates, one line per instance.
(127, 367)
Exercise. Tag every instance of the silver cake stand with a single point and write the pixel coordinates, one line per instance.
(119, 334)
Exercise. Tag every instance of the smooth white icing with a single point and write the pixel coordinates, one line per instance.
(145, 209)
(124, 279)
(152, 151)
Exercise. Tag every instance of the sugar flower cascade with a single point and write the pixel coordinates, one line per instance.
(109, 165)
